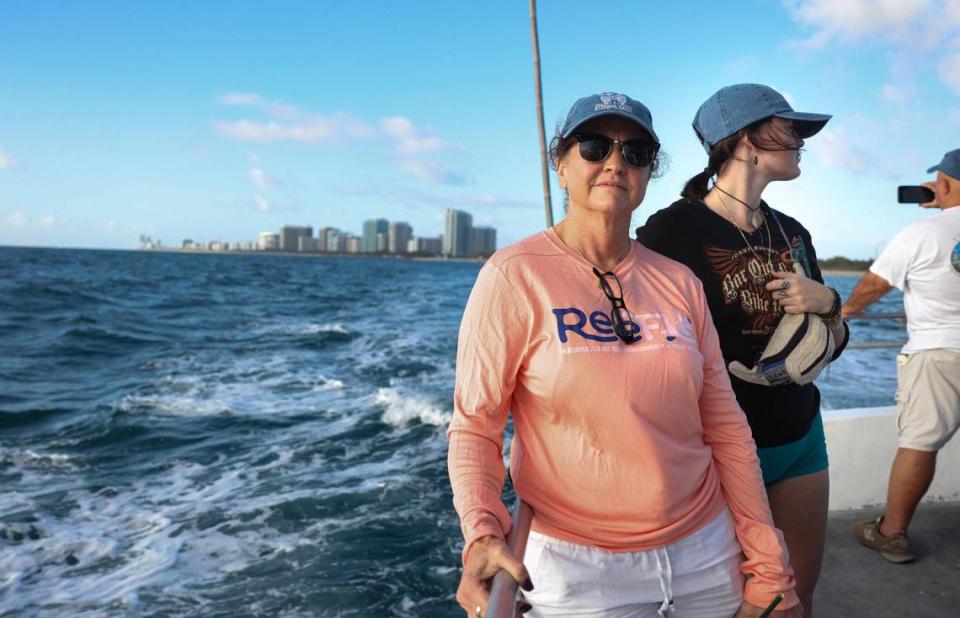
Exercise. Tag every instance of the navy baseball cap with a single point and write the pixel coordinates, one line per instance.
(949, 165)
(736, 107)
(608, 104)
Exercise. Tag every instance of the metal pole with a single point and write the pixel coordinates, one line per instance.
(877, 316)
(875, 345)
(545, 170)
(503, 592)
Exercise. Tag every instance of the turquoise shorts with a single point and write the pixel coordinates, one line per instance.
(805, 456)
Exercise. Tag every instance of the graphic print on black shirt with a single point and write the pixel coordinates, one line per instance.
(744, 312)
(743, 274)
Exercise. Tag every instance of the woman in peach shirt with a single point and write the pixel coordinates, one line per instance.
(629, 444)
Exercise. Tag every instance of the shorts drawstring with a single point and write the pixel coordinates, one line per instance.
(666, 581)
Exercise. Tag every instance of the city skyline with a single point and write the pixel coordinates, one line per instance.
(174, 125)
(379, 236)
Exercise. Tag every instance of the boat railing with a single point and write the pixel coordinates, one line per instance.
(503, 592)
(874, 345)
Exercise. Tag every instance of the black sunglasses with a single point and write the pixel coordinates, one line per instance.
(623, 324)
(636, 152)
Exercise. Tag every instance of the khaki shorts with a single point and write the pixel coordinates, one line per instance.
(928, 398)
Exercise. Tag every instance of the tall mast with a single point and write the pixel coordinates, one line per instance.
(545, 170)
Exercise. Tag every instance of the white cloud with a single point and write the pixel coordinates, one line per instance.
(20, 219)
(262, 180)
(16, 219)
(432, 172)
(255, 101)
(949, 71)
(856, 20)
(837, 149)
(5, 161)
(411, 197)
(893, 93)
(262, 204)
(318, 130)
(288, 123)
(917, 31)
(412, 145)
(408, 139)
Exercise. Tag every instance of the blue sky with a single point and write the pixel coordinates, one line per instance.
(216, 121)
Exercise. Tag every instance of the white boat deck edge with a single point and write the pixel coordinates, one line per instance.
(861, 443)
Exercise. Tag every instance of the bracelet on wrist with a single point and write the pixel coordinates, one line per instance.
(832, 316)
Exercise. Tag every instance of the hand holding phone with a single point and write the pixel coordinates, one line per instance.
(915, 194)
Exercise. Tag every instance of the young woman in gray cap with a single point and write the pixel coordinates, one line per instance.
(629, 444)
(757, 264)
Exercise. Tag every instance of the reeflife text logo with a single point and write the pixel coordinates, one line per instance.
(613, 100)
(598, 326)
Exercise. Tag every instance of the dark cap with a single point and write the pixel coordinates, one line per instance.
(608, 104)
(949, 165)
(736, 107)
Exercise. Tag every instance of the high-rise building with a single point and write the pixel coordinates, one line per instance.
(268, 241)
(383, 242)
(456, 233)
(425, 246)
(398, 236)
(307, 244)
(372, 227)
(336, 241)
(483, 241)
(290, 235)
(322, 238)
(353, 244)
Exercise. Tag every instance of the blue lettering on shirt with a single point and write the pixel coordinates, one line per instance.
(599, 326)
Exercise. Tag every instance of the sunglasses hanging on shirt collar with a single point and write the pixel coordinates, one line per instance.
(623, 324)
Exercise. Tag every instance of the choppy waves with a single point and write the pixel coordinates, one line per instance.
(205, 453)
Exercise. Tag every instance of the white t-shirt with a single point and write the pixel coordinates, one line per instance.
(923, 261)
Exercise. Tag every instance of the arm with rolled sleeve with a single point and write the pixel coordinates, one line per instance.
(493, 340)
(726, 431)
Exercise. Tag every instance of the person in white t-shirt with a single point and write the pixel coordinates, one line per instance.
(923, 261)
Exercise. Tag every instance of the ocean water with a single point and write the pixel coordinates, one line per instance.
(216, 435)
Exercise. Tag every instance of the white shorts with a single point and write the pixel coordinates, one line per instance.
(928, 398)
(696, 577)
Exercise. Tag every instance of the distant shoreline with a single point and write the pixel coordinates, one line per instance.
(416, 258)
(365, 256)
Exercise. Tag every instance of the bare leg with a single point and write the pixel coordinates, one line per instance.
(799, 507)
(910, 477)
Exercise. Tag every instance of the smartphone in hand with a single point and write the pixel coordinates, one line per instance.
(911, 194)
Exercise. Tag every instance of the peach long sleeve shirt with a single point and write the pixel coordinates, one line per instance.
(623, 447)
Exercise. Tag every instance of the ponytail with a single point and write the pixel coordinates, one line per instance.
(698, 186)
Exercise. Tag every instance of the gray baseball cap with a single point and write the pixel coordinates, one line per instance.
(949, 165)
(735, 107)
(608, 104)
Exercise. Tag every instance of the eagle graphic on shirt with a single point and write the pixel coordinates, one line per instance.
(742, 275)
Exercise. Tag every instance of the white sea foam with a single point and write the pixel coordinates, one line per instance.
(298, 327)
(21, 459)
(336, 327)
(403, 406)
(111, 545)
(250, 387)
